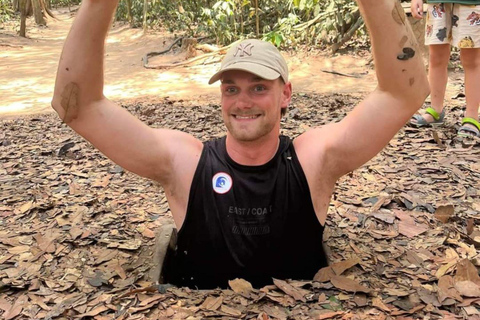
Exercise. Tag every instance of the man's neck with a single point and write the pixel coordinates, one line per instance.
(252, 153)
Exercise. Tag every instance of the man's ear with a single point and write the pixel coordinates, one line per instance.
(287, 94)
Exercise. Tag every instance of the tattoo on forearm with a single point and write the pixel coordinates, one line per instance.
(408, 53)
(398, 13)
(69, 102)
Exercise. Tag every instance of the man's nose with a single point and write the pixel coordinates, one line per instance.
(243, 100)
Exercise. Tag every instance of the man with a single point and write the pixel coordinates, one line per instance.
(451, 22)
(251, 205)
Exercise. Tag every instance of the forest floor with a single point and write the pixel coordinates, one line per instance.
(77, 231)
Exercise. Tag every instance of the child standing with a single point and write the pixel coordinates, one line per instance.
(457, 23)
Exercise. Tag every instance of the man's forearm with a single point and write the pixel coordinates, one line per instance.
(80, 70)
(398, 60)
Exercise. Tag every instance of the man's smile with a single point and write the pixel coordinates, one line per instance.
(246, 117)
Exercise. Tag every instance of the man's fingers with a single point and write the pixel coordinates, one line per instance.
(417, 11)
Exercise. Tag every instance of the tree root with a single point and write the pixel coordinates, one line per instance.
(152, 54)
(10, 45)
(183, 63)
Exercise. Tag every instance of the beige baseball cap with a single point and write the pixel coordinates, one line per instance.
(255, 56)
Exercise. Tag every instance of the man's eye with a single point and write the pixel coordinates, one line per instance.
(231, 90)
(259, 88)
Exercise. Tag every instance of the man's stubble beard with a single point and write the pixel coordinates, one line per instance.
(249, 135)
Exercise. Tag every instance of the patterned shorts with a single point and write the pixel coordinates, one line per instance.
(455, 24)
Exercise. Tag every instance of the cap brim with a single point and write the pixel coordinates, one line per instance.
(254, 68)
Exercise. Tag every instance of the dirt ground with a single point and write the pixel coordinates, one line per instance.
(28, 68)
(77, 231)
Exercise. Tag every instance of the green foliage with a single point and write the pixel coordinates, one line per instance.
(333, 19)
(282, 22)
(6, 10)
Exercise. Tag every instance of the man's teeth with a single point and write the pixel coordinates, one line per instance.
(246, 117)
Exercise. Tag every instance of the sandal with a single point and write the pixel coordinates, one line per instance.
(421, 122)
(468, 131)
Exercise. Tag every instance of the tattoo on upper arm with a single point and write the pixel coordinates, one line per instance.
(69, 102)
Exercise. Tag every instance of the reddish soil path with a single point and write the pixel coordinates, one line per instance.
(28, 67)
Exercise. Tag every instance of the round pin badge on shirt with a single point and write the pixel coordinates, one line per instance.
(222, 182)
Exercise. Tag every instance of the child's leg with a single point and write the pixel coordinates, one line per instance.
(471, 64)
(466, 36)
(438, 75)
(437, 37)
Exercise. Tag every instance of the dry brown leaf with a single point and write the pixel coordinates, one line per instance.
(407, 225)
(378, 303)
(212, 303)
(468, 289)
(75, 232)
(19, 249)
(348, 284)
(446, 289)
(466, 271)
(470, 226)
(472, 311)
(295, 293)
(340, 267)
(396, 292)
(94, 312)
(444, 213)
(445, 268)
(324, 274)
(16, 308)
(241, 286)
(428, 297)
(152, 299)
(275, 312)
(24, 208)
(147, 233)
(231, 311)
(45, 244)
(384, 216)
(34, 299)
(329, 315)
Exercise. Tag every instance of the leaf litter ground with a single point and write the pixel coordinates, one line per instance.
(77, 231)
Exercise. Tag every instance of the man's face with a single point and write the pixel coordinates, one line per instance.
(251, 105)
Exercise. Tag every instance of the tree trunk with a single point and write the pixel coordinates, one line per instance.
(29, 9)
(23, 17)
(348, 35)
(129, 12)
(145, 10)
(38, 13)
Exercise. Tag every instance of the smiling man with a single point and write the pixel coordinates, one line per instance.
(252, 204)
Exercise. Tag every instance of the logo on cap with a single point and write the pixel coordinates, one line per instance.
(244, 49)
(222, 183)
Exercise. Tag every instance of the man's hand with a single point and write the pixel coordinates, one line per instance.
(417, 9)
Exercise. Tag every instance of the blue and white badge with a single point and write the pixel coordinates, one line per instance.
(222, 183)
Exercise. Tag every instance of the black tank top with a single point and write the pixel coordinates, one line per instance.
(250, 222)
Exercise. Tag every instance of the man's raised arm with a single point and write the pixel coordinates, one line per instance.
(402, 88)
(80, 103)
(81, 63)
